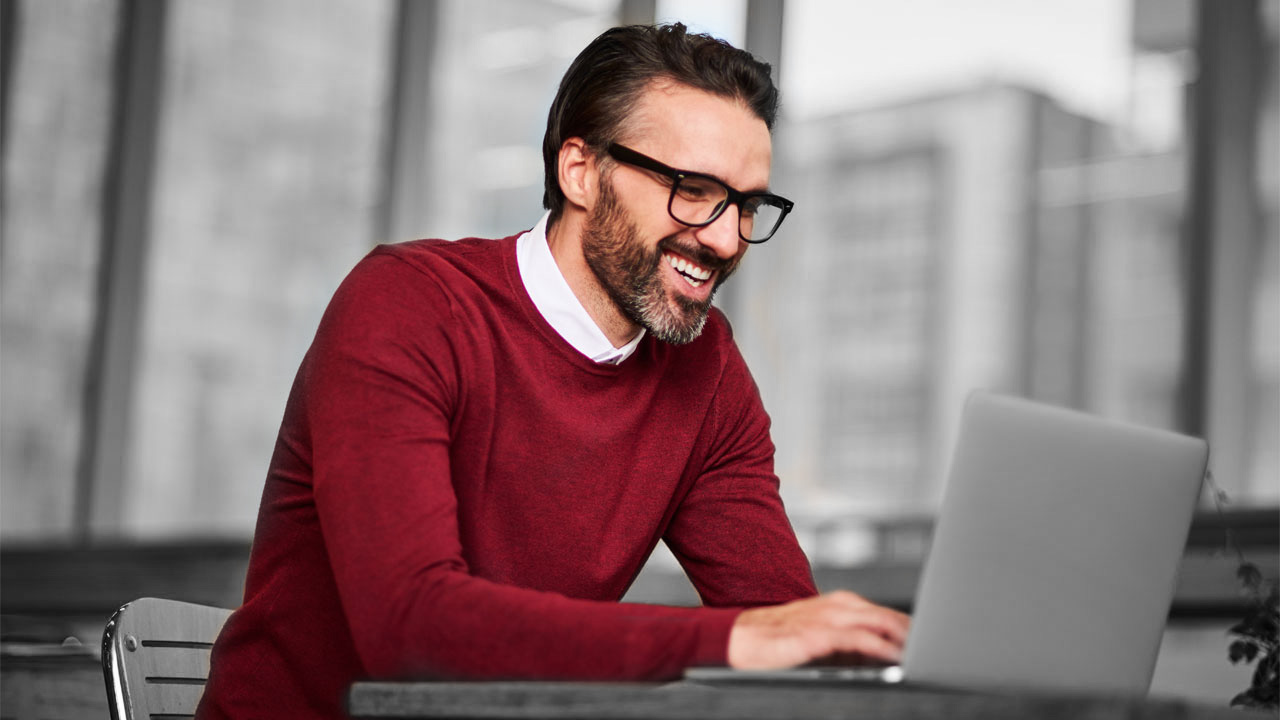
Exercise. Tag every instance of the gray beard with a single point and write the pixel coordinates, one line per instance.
(630, 273)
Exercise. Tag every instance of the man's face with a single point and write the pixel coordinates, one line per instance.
(663, 274)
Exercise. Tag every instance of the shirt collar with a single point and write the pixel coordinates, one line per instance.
(557, 304)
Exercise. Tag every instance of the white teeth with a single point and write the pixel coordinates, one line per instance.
(692, 272)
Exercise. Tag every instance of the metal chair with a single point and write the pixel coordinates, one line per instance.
(155, 657)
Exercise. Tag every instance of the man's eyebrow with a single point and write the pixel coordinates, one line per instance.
(750, 191)
(757, 189)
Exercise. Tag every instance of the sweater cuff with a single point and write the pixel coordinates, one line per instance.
(713, 637)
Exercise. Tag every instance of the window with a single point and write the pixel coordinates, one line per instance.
(57, 111)
(1004, 207)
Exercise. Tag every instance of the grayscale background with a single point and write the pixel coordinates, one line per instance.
(1030, 197)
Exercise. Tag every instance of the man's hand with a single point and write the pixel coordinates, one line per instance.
(838, 624)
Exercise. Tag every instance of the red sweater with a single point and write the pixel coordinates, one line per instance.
(457, 492)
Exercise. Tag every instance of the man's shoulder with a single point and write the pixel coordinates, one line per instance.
(455, 266)
(422, 273)
(434, 253)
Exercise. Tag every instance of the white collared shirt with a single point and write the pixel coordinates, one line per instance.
(556, 302)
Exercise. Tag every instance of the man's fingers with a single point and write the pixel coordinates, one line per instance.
(869, 645)
(885, 621)
(805, 630)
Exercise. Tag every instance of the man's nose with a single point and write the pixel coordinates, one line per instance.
(721, 236)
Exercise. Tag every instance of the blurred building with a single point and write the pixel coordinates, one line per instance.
(152, 321)
(56, 120)
(163, 274)
(921, 262)
(988, 237)
(490, 69)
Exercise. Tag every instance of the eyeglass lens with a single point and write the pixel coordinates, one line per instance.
(696, 200)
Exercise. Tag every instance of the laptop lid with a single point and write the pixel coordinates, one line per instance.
(1056, 551)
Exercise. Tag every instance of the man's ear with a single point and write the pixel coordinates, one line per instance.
(577, 173)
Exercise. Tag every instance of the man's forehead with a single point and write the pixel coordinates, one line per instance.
(700, 131)
(665, 102)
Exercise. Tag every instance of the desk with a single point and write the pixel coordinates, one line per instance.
(687, 701)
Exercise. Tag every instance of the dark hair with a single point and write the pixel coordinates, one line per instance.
(604, 82)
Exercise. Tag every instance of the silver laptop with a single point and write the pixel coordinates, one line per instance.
(1054, 558)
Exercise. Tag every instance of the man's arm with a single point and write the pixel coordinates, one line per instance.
(733, 538)
(380, 388)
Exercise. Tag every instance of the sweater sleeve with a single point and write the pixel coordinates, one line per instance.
(381, 386)
(731, 533)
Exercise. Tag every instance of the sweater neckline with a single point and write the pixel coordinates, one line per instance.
(549, 334)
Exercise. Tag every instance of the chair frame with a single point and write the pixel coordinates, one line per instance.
(150, 635)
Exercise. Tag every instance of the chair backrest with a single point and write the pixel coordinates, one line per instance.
(155, 657)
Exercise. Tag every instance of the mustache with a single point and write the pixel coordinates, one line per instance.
(697, 253)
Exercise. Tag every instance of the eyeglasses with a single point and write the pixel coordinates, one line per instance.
(697, 200)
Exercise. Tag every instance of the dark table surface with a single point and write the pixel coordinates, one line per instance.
(687, 701)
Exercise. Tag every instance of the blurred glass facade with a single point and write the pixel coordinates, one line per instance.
(267, 174)
(495, 67)
(57, 110)
(988, 234)
(915, 272)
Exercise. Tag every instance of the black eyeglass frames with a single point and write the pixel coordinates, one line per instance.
(697, 199)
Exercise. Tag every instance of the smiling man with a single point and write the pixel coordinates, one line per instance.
(487, 438)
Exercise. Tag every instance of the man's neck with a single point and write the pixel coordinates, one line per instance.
(565, 239)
